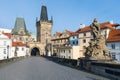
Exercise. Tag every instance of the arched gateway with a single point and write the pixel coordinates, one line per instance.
(36, 49)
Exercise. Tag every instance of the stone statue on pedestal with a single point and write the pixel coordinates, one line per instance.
(97, 50)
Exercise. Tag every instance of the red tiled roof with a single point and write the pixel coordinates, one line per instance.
(59, 34)
(18, 44)
(102, 26)
(73, 34)
(70, 32)
(59, 38)
(114, 36)
(8, 35)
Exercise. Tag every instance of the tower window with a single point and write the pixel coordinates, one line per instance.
(4, 51)
(4, 43)
(69, 51)
(73, 37)
(113, 46)
(64, 51)
(84, 34)
(84, 40)
(113, 56)
(22, 49)
(77, 42)
(73, 42)
(61, 40)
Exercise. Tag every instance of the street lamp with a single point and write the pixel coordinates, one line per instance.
(16, 48)
(8, 51)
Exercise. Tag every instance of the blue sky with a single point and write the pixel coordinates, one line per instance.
(67, 14)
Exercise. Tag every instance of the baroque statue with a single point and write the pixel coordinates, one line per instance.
(97, 49)
(95, 27)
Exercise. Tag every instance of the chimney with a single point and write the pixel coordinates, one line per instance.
(82, 25)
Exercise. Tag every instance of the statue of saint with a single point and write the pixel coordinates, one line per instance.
(97, 50)
(95, 27)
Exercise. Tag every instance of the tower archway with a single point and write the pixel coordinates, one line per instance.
(35, 51)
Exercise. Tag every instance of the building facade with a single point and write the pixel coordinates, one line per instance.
(65, 45)
(68, 52)
(19, 49)
(5, 46)
(60, 39)
(113, 43)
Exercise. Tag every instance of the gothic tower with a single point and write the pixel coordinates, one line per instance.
(44, 27)
(19, 32)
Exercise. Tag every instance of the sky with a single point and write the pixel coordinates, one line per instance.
(67, 14)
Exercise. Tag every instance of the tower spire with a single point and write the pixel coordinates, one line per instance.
(44, 16)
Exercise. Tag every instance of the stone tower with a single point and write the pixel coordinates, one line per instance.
(20, 27)
(44, 27)
(19, 32)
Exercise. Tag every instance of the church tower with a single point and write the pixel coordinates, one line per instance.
(44, 27)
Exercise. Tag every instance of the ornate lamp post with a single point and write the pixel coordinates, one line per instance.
(8, 51)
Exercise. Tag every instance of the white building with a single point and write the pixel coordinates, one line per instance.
(5, 46)
(19, 49)
(113, 43)
(68, 52)
(85, 34)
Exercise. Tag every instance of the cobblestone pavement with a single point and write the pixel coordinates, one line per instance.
(38, 68)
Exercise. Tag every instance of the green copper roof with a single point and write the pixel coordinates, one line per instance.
(19, 24)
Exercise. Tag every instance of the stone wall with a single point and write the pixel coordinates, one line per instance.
(106, 69)
(103, 68)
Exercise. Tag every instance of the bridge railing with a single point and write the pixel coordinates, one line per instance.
(64, 61)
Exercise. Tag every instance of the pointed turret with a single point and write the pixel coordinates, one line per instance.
(19, 25)
(44, 16)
